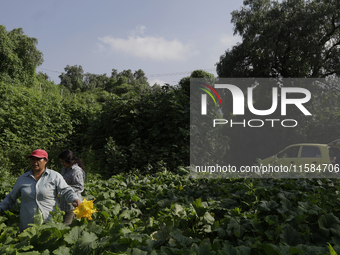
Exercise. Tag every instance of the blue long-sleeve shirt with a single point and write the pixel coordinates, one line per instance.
(34, 194)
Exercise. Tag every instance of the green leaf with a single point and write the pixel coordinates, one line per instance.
(203, 249)
(105, 215)
(23, 246)
(200, 210)
(116, 209)
(183, 240)
(73, 236)
(272, 249)
(62, 250)
(271, 219)
(208, 218)
(130, 213)
(164, 203)
(228, 249)
(135, 251)
(290, 236)
(178, 210)
(329, 223)
(331, 250)
(85, 244)
(267, 205)
(236, 228)
(162, 234)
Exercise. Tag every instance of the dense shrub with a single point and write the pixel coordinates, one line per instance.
(144, 131)
(29, 120)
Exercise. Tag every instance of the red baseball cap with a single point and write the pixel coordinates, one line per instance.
(39, 153)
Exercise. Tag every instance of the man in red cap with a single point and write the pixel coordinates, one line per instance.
(38, 189)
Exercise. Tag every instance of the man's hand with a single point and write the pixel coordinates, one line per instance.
(76, 203)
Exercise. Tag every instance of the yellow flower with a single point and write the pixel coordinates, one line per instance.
(85, 210)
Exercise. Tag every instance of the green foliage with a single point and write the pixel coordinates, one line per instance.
(123, 83)
(284, 39)
(176, 214)
(19, 56)
(73, 78)
(28, 121)
(92, 81)
(142, 133)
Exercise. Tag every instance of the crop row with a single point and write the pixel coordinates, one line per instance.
(175, 214)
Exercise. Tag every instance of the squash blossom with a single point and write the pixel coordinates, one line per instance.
(85, 209)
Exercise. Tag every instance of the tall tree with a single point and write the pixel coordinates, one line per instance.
(73, 78)
(19, 55)
(127, 82)
(92, 81)
(289, 38)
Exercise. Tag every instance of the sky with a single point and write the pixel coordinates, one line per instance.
(166, 39)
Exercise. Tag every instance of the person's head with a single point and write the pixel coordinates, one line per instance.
(67, 159)
(38, 159)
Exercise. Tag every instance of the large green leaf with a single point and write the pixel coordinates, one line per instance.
(235, 227)
(182, 240)
(178, 210)
(271, 249)
(136, 251)
(62, 250)
(228, 249)
(290, 236)
(208, 218)
(200, 210)
(328, 224)
(204, 248)
(85, 244)
(73, 236)
(267, 205)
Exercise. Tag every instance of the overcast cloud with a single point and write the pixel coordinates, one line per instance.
(156, 48)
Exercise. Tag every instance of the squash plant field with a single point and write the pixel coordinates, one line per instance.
(175, 214)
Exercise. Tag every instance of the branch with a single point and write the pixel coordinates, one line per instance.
(329, 34)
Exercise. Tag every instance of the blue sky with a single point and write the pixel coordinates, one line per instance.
(166, 39)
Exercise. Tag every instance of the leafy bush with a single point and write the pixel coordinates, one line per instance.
(140, 132)
(28, 121)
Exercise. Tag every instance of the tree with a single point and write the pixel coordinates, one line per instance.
(92, 81)
(126, 76)
(139, 76)
(19, 55)
(184, 83)
(290, 38)
(73, 78)
(283, 39)
(127, 83)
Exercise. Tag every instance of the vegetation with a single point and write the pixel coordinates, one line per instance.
(295, 38)
(284, 39)
(170, 213)
(134, 141)
(120, 121)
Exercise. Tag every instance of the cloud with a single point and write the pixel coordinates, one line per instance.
(100, 48)
(156, 48)
(138, 30)
(158, 81)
